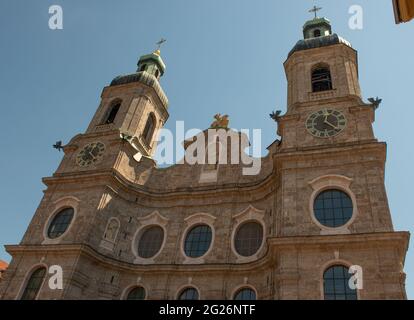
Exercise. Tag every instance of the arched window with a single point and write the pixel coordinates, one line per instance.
(245, 294)
(198, 241)
(321, 79)
(316, 33)
(112, 112)
(137, 293)
(248, 238)
(336, 284)
(157, 73)
(33, 284)
(189, 294)
(333, 208)
(112, 230)
(60, 223)
(149, 128)
(150, 242)
(143, 67)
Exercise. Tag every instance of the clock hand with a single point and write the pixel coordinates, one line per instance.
(328, 123)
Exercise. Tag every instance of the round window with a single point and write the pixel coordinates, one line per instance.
(333, 208)
(249, 238)
(150, 242)
(198, 241)
(60, 223)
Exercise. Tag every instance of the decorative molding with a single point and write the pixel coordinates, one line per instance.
(107, 243)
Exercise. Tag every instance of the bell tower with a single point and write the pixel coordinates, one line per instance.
(322, 75)
(321, 66)
(135, 105)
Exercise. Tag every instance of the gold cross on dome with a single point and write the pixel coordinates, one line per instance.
(315, 9)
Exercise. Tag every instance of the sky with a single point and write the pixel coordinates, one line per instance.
(221, 56)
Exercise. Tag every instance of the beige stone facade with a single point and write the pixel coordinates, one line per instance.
(296, 249)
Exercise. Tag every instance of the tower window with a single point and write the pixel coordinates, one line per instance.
(149, 128)
(137, 293)
(189, 294)
(248, 239)
(143, 67)
(333, 208)
(336, 284)
(321, 79)
(316, 33)
(33, 284)
(157, 73)
(111, 115)
(245, 294)
(60, 223)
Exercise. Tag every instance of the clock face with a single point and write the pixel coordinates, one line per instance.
(326, 123)
(90, 154)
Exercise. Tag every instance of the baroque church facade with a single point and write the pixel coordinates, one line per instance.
(121, 228)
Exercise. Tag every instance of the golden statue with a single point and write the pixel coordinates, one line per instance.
(222, 122)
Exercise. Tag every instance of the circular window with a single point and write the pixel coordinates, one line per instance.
(249, 238)
(188, 294)
(198, 241)
(150, 242)
(137, 293)
(60, 223)
(245, 294)
(333, 208)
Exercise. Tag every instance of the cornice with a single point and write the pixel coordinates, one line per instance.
(274, 245)
(121, 186)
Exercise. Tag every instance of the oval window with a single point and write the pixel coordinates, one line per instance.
(248, 239)
(198, 241)
(150, 242)
(60, 223)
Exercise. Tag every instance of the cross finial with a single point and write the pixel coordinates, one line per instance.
(159, 43)
(315, 9)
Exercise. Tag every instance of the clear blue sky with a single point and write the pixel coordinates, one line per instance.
(221, 56)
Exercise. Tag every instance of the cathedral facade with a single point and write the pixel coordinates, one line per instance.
(314, 223)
